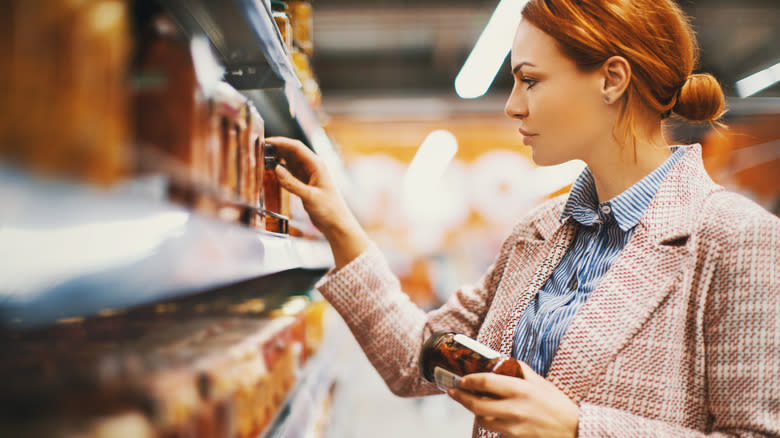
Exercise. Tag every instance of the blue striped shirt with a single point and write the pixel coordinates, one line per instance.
(604, 229)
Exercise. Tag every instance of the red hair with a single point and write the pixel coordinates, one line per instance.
(656, 39)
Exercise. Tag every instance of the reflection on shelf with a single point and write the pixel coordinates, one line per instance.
(244, 35)
(70, 250)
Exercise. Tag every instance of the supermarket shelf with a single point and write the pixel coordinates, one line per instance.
(249, 45)
(244, 35)
(319, 373)
(70, 250)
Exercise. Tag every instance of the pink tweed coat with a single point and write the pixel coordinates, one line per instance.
(680, 338)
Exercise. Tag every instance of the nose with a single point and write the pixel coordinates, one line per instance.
(516, 106)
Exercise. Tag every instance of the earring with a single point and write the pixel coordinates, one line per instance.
(606, 99)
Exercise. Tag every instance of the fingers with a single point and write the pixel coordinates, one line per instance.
(292, 184)
(489, 408)
(493, 424)
(295, 152)
(528, 372)
(500, 385)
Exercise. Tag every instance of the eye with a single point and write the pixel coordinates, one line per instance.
(529, 81)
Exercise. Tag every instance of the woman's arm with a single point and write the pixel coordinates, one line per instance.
(304, 174)
(363, 289)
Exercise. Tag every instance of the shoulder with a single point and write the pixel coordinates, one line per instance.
(742, 240)
(732, 219)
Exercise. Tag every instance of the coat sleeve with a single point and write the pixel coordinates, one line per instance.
(741, 335)
(390, 328)
(742, 325)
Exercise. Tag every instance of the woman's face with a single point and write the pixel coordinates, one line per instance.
(561, 110)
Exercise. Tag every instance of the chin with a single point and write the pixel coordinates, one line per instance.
(545, 156)
(542, 159)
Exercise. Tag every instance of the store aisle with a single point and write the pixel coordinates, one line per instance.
(365, 408)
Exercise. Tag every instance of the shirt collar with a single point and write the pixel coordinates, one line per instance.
(626, 208)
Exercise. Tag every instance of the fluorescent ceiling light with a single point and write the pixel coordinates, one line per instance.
(489, 52)
(430, 161)
(759, 81)
(425, 200)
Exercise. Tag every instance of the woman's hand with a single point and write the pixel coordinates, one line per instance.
(529, 407)
(304, 174)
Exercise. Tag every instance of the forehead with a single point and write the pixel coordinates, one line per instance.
(534, 46)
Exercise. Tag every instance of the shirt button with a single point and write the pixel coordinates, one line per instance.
(606, 209)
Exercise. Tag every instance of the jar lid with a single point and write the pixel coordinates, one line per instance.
(278, 5)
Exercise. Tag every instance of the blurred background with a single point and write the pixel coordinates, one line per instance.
(387, 70)
(131, 148)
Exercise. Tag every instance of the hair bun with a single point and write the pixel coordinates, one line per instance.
(701, 99)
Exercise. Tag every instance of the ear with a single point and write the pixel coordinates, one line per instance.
(616, 74)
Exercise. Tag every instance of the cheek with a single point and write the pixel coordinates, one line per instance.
(568, 115)
(567, 122)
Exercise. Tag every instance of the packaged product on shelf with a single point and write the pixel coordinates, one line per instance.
(305, 74)
(257, 144)
(247, 158)
(301, 19)
(314, 317)
(164, 98)
(193, 376)
(129, 423)
(209, 159)
(282, 19)
(275, 221)
(231, 111)
(64, 104)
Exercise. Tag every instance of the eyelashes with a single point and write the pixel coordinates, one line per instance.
(529, 82)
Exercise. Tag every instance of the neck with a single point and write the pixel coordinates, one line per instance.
(618, 167)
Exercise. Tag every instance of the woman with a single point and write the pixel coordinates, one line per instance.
(645, 302)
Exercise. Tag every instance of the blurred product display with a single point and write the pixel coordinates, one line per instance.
(64, 106)
(300, 12)
(164, 370)
(283, 23)
(131, 144)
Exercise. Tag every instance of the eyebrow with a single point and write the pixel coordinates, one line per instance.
(516, 68)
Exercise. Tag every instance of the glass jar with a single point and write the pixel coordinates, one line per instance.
(282, 19)
(275, 221)
(300, 12)
(446, 357)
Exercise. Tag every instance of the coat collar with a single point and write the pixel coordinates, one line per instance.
(671, 214)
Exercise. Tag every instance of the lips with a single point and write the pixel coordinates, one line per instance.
(525, 133)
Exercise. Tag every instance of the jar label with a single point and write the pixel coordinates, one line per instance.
(445, 379)
(482, 349)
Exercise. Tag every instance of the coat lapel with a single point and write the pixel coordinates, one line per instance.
(634, 286)
(527, 283)
(648, 269)
(538, 250)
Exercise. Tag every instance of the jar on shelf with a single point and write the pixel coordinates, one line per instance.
(300, 12)
(273, 194)
(167, 104)
(305, 74)
(231, 112)
(256, 143)
(64, 104)
(283, 22)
